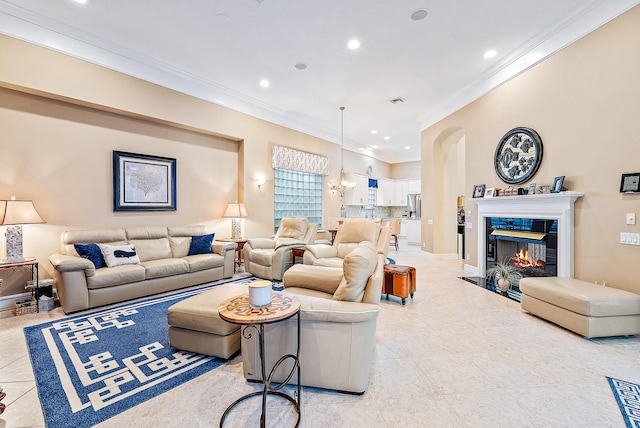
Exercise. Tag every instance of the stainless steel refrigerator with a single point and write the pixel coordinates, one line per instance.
(414, 201)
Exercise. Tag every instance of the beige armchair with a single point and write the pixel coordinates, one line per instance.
(339, 310)
(270, 258)
(350, 233)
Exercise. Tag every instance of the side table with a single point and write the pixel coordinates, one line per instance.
(296, 252)
(239, 258)
(30, 263)
(283, 306)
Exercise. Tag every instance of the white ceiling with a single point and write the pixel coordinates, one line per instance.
(219, 50)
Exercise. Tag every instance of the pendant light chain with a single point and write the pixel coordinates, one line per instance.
(341, 143)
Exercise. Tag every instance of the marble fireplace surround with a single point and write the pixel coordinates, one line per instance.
(556, 206)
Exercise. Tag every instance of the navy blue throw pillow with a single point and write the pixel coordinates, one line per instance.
(91, 252)
(201, 244)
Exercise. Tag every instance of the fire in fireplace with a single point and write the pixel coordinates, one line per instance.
(522, 259)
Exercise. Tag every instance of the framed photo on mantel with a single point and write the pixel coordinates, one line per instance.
(478, 190)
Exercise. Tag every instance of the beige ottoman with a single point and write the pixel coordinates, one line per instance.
(585, 308)
(194, 323)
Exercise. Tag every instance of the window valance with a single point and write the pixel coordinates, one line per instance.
(286, 158)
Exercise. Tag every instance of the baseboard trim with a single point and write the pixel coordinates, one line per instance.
(6, 302)
(473, 270)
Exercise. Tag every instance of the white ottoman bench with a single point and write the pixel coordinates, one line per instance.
(585, 308)
(194, 323)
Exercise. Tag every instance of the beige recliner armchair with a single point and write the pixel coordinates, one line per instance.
(350, 233)
(338, 315)
(270, 258)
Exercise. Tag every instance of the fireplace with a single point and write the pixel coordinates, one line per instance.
(553, 215)
(529, 244)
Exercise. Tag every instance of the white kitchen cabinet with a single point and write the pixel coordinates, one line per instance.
(386, 192)
(400, 193)
(359, 195)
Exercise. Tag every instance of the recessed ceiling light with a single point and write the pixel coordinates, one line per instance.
(387, 138)
(80, 1)
(374, 146)
(264, 83)
(353, 44)
(419, 15)
(221, 16)
(373, 131)
(301, 66)
(407, 147)
(490, 54)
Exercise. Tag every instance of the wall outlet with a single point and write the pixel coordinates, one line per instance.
(424, 245)
(430, 221)
(468, 256)
(631, 218)
(469, 225)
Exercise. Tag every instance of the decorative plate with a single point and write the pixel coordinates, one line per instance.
(518, 155)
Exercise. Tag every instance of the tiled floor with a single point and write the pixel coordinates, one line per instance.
(454, 356)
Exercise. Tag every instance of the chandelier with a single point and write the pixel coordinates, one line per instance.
(343, 185)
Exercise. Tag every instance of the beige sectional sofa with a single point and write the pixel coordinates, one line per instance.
(164, 265)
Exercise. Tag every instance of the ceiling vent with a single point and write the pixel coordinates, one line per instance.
(397, 100)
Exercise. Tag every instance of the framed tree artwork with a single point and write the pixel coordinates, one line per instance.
(143, 182)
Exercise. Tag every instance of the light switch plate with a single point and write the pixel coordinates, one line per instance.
(631, 218)
(469, 225)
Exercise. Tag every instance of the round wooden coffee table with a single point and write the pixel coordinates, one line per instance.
(283, 306)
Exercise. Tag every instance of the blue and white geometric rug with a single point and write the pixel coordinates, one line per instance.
(628, 397)
(91, 367)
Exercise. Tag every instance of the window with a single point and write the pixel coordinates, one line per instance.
(297, 194)
(371, 202)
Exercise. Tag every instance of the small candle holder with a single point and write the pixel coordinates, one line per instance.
(260, 294)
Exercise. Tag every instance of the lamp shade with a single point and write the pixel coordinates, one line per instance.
(235, 210)
(14, 212)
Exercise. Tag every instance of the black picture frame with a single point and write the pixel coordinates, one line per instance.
(518, 155)
(630, 183)
(143, 182)
(478, 190)
(557, 184)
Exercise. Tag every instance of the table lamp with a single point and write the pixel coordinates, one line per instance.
(14, 214)
(235, 211)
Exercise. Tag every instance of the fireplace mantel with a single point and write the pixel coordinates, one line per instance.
(557, 206)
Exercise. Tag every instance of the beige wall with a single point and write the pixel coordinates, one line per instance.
(62, 118)
(403, 170)
(584, 103)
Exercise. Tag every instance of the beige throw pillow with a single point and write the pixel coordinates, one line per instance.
(116, 255)
(358, 266)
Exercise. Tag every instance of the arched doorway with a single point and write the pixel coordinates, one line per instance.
(449, 184)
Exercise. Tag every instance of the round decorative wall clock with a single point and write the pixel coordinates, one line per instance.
(518, 155)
